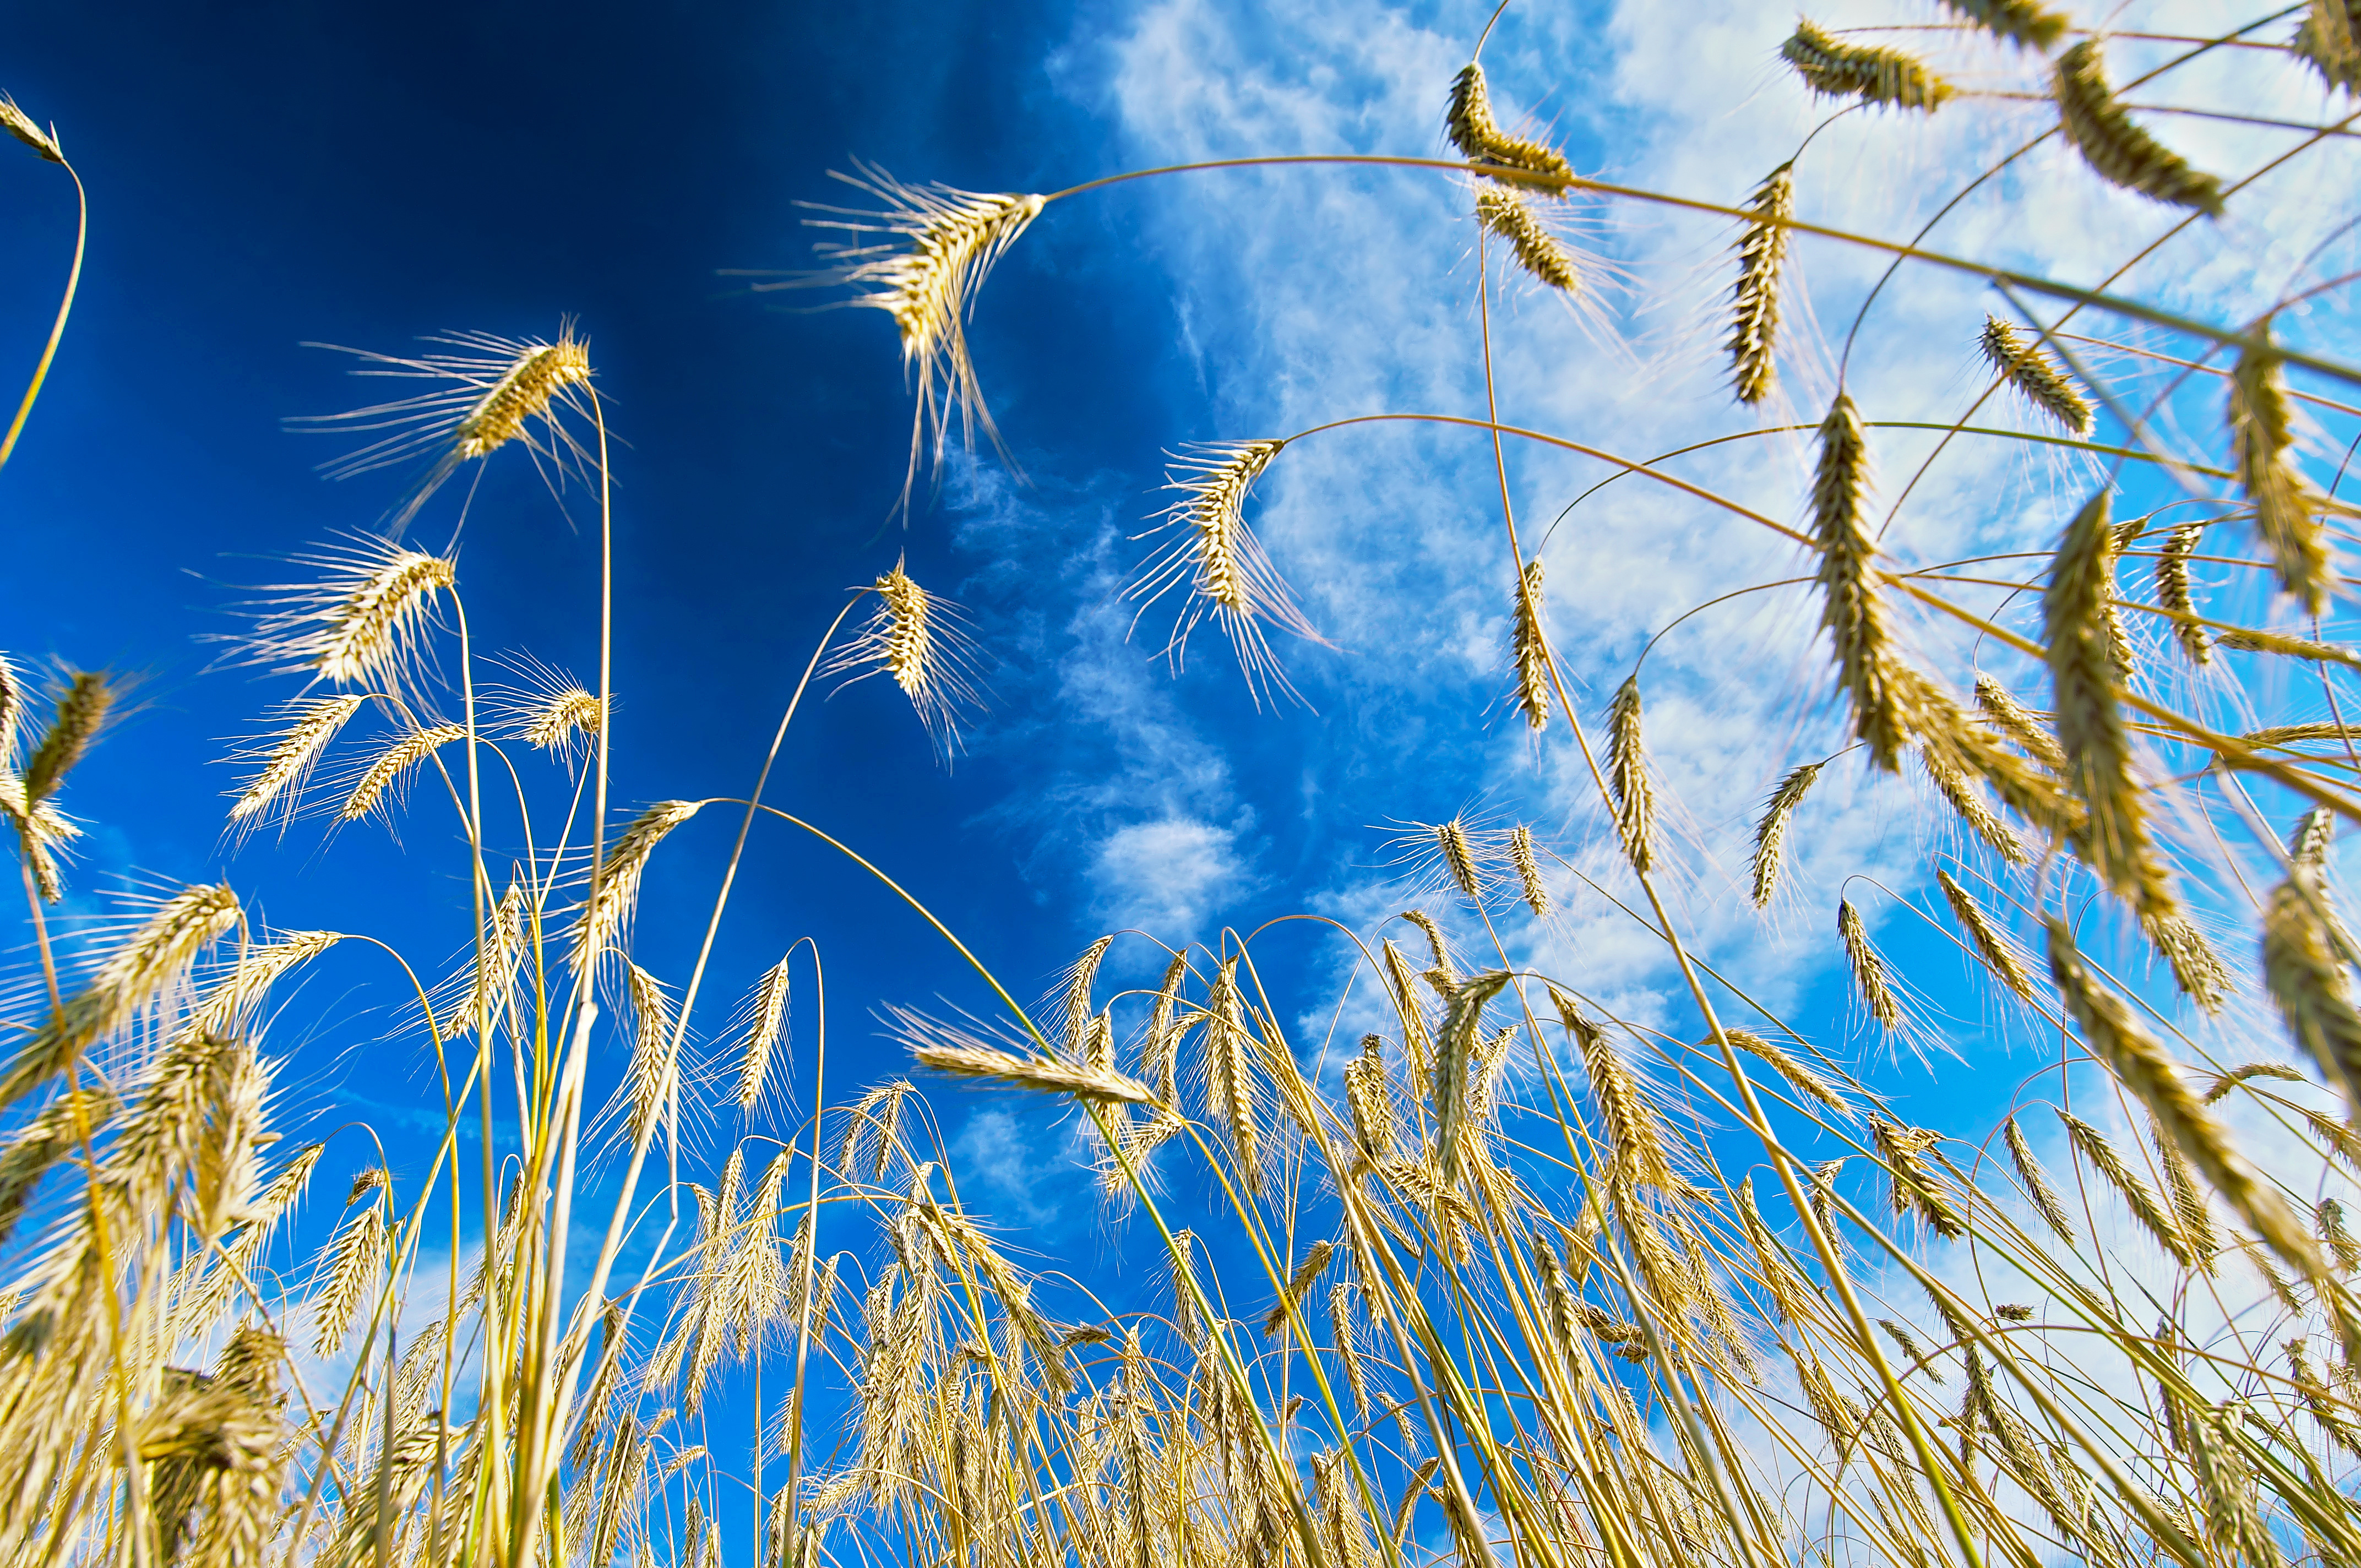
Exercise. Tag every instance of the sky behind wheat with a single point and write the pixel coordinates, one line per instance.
(268, 176)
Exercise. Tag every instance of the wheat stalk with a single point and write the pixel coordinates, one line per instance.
(1508, 214)
(2117, 150)
(1762, 254)
(1874, 75)
(2287, 509)
(1770, 832)
(2027, 367)
(1627, 777)
(2090, 722)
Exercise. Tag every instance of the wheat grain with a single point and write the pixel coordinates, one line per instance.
(2090, 722)
(1762, 255)
(1874, 75)
(2173, 591)
(2115, 1036)
(1868, 969)
(1999, 954)
(2330, 39)
(2028, 368)
(1473, 130)
(1627, 775)
(2117, 150)
(1530, 648)
(766, 1014)
(314, 722)
(1770, 831)
(388, 769)
(2287, 509)
(1509, 214)
(1528, 868)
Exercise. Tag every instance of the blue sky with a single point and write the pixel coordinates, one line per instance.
(263, 176)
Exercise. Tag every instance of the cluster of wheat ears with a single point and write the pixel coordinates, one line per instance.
(1484, 1290)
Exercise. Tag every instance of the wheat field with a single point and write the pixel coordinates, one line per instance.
(1451, 1257)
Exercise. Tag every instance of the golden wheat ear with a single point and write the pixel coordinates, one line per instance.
(2330, 39)
(2020, 22)
(1219, 568)
(917, 639)
(1762, 254)
(921, 256)
(19, 124)
(2118, 151)
(2041, 381)
(488, 393)
(1833, 68)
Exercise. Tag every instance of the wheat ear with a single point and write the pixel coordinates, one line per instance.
(314, 723)
(2141, 1198)
(1478, 137)
(2117, 150)
(1874, 75)
(378, 607)
(1627, 775)
(1509, 214)
(82, 710)
(2090, 721)
(766, 1015)
(1098, 1084)
(1852, 610)
(2044, 383)
(2197, 970)
(1868, 969)
(1230, 1085)
(2020, 22)
(1530, 647)
(1762, 254)
(1635, 1135)
(2116, 1037)
(1801, 1079)
(1770, 832)
(2001, 955)
(2036, 1182)
(2021, 726)
(19, 124)
(2307, 978)
(603, 919)
(2329, 38)
(1455, 1050)
(1299, 1283)
(1959, 792)
(1529, 871)
(393, 764)
(1215, 560)
(2173, 591)
(2287, 509)
(1457, 851)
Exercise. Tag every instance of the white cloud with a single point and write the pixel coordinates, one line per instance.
(1164, 875)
